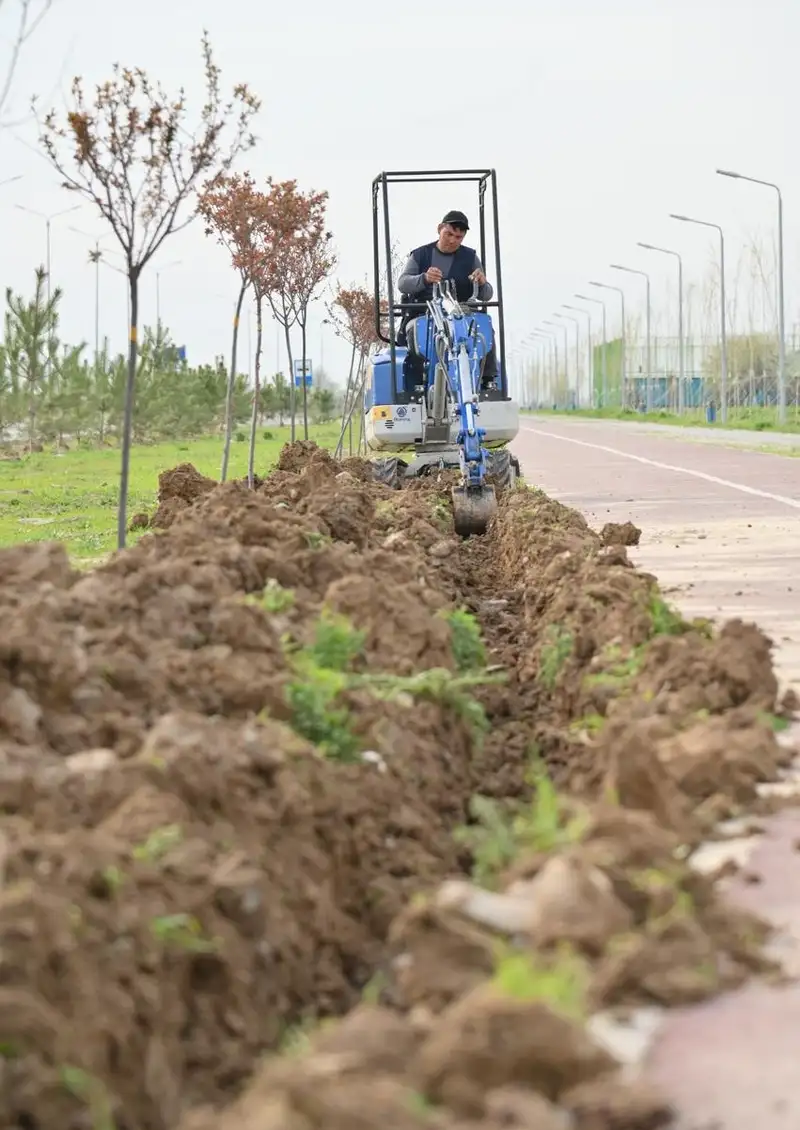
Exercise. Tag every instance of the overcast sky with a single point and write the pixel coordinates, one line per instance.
(600, 117)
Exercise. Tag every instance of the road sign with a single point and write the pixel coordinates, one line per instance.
(298, 373)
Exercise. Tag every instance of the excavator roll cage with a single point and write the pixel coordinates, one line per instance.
(382, 244)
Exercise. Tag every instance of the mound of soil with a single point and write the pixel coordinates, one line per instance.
(238, 771)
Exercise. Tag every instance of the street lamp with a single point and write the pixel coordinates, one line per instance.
(541, 345)
(552, 338)
(649, 383)
(781, 311)
(569, 318)
(560, 326)
(166, 267)
(681, 354)
(621, 293)
(48, 221)
(724, 342)
(96, 258)
(589, 358)
(588, 298)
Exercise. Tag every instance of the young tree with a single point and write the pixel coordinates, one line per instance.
(135, 158)
(30, 343)
(311, 261)
(294, 258)
(352, 313)
(29, 15)
(231, 207)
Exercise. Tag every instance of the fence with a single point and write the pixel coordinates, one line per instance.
(752, 384)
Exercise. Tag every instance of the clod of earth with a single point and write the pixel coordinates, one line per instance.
(286, 761)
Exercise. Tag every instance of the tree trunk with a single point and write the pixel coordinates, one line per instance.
(256, 391)
(303, 378)
(292, 390)
(127, 420)
(226, 450)
(348, 394)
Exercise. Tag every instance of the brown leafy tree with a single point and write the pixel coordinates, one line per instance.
(352, 313)
(296, 258)
(132, 154)
(232, 208)
(311, 262)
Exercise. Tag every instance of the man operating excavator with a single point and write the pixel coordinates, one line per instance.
(445, 258)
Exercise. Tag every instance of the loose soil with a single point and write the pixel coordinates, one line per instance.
(256, 776)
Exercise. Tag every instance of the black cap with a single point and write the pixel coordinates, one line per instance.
(457, 218)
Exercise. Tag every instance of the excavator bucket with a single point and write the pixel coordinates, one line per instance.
(473, 509)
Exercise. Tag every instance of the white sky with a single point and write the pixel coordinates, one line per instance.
(600, 116)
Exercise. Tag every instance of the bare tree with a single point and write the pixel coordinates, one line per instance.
(29, 16)
(129, 152)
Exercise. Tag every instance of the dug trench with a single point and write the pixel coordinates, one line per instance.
(314, 816)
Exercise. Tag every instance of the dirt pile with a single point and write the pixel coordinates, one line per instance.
(300, 746)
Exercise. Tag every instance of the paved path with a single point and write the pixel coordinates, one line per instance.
(721, 528)
(717, 436)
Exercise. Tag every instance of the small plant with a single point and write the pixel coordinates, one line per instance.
(316, 540)
(590, 724)
(321, 667)
(665, 621)
(336, 643)
(502, 831)
(490, 841)
(158, 843)
(273, 597)
(296, 1038)
(555, 653)
(181, 931)
(315, 717)
(91, 1091)
(469, 650)
(560, 981)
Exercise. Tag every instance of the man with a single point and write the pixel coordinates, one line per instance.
(446, 258)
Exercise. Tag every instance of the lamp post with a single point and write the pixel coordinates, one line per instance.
(96, 258)
(588, 298)
(724, 341)
(569, 318)
(561, 326)
(48, 221)
(545, 342)
(621, 293)
(166, 267)
(589, 359)
(681, 354)
(649, 379)
(552, 339)
(781, 304)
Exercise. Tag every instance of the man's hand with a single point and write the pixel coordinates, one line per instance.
(433, 275)
(478, 276)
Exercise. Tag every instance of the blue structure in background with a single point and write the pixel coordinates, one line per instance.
(298, 373)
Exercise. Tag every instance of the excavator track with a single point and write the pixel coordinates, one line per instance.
(473, 509)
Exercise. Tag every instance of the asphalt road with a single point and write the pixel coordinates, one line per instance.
(721, 531)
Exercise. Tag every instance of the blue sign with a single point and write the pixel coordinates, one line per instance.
(181, 352)
(298, 373)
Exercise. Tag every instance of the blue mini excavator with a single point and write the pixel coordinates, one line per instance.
(426, 397)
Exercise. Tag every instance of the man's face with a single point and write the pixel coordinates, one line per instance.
(451, 236)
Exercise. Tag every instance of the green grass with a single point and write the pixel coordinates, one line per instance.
(741, 419)
(72, 497)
